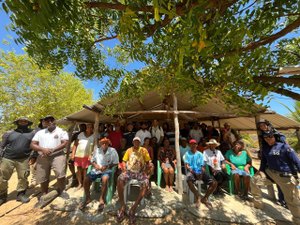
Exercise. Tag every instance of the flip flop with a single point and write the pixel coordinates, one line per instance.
(100, 207)
(121, 215)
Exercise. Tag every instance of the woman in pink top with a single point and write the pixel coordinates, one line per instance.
(148, 147)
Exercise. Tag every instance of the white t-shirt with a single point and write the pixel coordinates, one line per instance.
(84, 148)
(157, 132)
(110, 157)
(47, 139)
(142, 135)
(213, 159)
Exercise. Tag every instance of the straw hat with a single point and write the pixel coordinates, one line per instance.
(213, 142)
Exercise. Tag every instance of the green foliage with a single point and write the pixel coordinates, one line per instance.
(295, 114)
(250, 140)
(202, 46)
(27, 90)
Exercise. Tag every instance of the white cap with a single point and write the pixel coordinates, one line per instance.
(136, 139)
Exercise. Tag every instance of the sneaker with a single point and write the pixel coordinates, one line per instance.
(23, 198)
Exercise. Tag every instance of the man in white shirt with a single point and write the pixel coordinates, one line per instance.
(215, 161)
(103, 160)
(157, 131)
(49, 143)
(143, 133)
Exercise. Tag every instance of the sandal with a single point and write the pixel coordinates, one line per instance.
(100, 207)
(120, 215)
(132, 218)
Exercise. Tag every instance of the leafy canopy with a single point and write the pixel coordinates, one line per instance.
(208, 47)
(27, 90)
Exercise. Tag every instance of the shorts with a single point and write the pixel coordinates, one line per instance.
(82, 162)
(44, 164)
(203, 176)
(240, 172)
(142, 178)
(94, 176)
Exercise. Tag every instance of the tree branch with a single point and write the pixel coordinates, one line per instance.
(287, 93)
(263, 41)
(117, 6)
(294, 81)
(105, 38)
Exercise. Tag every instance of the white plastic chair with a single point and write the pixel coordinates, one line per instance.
(132, 182)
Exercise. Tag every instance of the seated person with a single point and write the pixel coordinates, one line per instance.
(137, 167)
(240, 163)
(167, 158)
(194, 163)
(104, 158)
(184, 147)
(215, 161)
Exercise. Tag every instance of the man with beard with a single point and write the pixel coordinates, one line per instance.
(15, 151)
(49, 143)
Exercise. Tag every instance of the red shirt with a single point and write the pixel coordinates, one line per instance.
(115, 138)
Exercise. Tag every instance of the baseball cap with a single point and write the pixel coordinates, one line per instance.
(193, 141)
(136, 139)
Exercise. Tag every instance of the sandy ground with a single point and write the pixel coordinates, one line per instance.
(227, 210)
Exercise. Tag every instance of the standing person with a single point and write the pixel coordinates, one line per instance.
(280, 162)
(49, 143)
(82, 128)
(230, 134)
(148, 147)
(129, 134)
(215, 161)
(194, 164)
(185, 131)
(33, 157)
(157, 131)
(138, 167)
(196, 133)
(266, 126)
(103, 160)
(143, 132)
(167, 158)
(81, 152)
(15, 151)
(115, 136)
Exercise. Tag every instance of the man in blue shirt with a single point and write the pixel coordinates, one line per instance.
(280, 162)
(194, 163)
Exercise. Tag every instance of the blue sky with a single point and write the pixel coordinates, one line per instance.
(275, 103)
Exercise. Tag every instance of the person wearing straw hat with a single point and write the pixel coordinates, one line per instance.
(214, 159)
(15, 151)
(103, 160)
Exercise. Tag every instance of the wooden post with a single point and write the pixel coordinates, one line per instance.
(96, 130)
(70, 133)
(178, 158)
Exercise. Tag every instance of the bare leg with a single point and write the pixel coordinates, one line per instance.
(104, 189)
(166, 176)
(171, 177)
(120, 188)
(246, 185)
(44, 187)
(61, 183)
(195, 192)
(72, 169)
(236, 178)
(211, 188)
(80, 176)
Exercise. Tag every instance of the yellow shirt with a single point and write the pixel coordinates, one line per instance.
(136, 159)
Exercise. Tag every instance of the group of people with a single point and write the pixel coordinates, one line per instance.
(136, 150)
